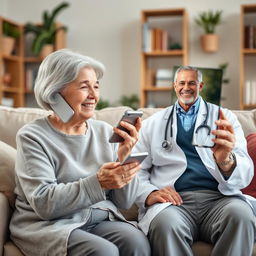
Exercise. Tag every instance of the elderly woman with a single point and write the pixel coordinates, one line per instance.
(69, 183)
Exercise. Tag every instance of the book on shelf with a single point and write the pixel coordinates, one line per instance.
(31, 74)
(163, 77)
(7, 102)
(250, 37)
(154, 39)
(250, 92)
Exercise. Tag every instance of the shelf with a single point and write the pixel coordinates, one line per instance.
(158, 30)
(250, 106)
(11, 89)
(11, 57)
(32, 59)
(157, 89)
(249, 51)
(21, 67)
(164, 54)
(247, 55)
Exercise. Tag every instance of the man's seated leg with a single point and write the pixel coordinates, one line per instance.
(230, 226)
(172, 232)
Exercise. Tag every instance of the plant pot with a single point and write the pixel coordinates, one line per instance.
(8, 45)
(210, 42)
(46, 50)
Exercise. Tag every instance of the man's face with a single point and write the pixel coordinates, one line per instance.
(187, 87)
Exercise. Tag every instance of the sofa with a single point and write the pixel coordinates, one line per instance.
(12, 119)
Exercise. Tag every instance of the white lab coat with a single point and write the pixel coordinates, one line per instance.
(162, 168)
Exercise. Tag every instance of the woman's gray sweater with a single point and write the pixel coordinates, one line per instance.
(56, 185)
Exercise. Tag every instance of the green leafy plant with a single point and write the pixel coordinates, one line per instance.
(130, 101)
(209, 20)
(102, 104)
(45, 32)
(10, 30)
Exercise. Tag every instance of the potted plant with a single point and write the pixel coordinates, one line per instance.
(208, 21)
(44, 34)
(130, 101)
(11, 33)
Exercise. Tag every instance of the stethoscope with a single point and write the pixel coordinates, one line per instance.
(167, 144)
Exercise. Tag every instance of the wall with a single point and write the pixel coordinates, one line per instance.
(110, 32)
(3, 8)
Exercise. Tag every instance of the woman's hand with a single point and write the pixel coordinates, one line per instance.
(113, 175)
(164, 195)
(130, 140)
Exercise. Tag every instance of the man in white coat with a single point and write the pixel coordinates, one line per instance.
(190, 192)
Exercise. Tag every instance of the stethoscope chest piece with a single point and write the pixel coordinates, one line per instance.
(167, 145)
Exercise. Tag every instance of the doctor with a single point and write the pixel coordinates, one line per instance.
(193, 192)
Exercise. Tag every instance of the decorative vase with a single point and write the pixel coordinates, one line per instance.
(8, 45)
(210, 42)
(46, 50)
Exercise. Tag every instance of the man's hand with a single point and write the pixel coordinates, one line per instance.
(164, 195)
(225, 142)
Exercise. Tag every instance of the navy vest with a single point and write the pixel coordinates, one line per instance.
(196, 176)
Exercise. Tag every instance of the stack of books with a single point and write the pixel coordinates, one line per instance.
(154, 39)
(250, 37)
(163, 77)
(250, 92)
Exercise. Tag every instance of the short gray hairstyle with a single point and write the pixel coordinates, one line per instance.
(57, 70)
(182, 68)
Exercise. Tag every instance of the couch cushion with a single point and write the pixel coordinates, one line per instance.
(10, 249)
(247, 119)
(251, 146)
(110, 115)
(12, 119)
(7, 173)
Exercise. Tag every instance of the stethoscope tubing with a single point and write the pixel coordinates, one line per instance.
(167, 144)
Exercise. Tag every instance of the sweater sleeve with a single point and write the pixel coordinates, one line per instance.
(36, 177)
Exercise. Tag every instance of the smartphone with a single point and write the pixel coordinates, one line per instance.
(62, 108)
(202, 136)
(129, 116)
(135, 157)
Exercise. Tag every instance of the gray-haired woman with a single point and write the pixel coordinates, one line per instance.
(69, 184)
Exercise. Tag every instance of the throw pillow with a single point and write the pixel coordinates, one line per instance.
(7, 173)
(251, 147)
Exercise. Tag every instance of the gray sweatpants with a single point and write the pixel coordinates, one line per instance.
(101, 237)
(225, 221)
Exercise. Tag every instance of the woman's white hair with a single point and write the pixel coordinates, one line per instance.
(57, 70)
(182, 68)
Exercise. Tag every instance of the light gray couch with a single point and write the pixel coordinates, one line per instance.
(12, 119)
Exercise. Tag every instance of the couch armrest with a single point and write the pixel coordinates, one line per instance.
(5, 214)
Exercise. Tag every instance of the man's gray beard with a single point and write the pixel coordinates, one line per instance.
(189, 101)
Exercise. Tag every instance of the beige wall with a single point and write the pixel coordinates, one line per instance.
(3, 7)
(109, 30)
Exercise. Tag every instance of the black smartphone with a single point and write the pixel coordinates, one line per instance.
(135, 157)
(129, 116)
(62, 108)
